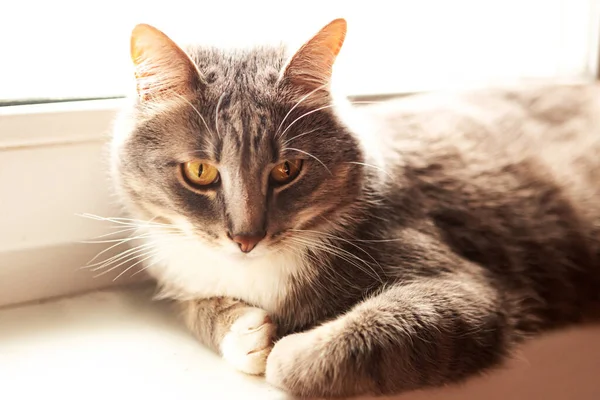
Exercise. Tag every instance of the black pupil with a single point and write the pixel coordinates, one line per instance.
(286, 168)
(200, 170)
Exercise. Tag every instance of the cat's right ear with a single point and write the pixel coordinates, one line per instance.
(309, 70)
(162, 69)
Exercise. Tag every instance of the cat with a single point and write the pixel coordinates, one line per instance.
(342, 249)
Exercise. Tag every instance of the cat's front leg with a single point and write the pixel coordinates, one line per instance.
(242, 334)
(413, 335)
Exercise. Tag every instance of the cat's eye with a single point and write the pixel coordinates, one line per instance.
(286, 172)
(200, 173)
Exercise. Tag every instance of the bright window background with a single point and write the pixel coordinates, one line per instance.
(66, 49)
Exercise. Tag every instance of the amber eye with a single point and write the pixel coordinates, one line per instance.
(286, 172)
(199, 173)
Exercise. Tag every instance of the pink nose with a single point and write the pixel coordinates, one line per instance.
(247, 242)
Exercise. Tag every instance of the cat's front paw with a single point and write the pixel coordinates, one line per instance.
(249, 341)
(319, 363)
(300, 365)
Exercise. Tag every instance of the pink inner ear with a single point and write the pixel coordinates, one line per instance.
(311, 66)
(161, 67)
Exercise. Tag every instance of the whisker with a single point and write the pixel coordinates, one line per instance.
(217, 114)
(119, 256)
(305, 115)
(378, 240)
(346, 252)
(331, 273)
(123, 241)
(370, 165)
(341, 253)
(300, 135)
(152, 254)
(146, 250)
(115, 240)
(310, 155)
(337, 238)
(124, 221)
(311, 258)
(332, 251)
(296, 105)
(121, 230)
(130, 254)
(165, 231)
(127, 259)
(133, 265)
(370, 240)
(141, 222)
(196, 110)
(313, 111)
(145, 268)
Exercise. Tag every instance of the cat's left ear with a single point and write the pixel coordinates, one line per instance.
(162, 69)
(309, 70)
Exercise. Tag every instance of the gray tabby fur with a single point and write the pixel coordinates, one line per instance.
(435, 231)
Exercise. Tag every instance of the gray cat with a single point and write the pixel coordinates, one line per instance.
(343, 249)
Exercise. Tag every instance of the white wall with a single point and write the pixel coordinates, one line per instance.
(52, 167)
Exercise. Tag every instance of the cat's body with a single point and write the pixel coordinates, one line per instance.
(431, 234)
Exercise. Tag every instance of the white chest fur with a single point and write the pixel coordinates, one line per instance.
(193, 270)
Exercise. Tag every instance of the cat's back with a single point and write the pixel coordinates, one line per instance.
(509, 178)
(551, 131)
(532, 114)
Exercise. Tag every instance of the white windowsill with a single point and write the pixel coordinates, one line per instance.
(120, 345)
(112, 345)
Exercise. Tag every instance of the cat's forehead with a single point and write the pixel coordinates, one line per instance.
(247, 70)
(243, 102)
(246, 133)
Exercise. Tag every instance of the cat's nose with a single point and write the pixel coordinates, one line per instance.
(248, 241)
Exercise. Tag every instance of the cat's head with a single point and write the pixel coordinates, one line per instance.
(240, 149)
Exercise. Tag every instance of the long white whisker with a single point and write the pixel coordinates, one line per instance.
(144, 268)
(170, 230)
(150, 221)
(141, 252)
(133, 265)
(337, 238)
(370, 165)
(196, 110)
(121, 230)
(296, 105)
(151, 254)
(123, 241)
(312, 257)
(167, 236)
(124, 221)
(127, 259)
(347, 252)
(119, 256)
(310, 155)
(115, 240)
(305, 115)
(337, 252)
(300, 135)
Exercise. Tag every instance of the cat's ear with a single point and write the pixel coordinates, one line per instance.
(310, 68)
(162, 69)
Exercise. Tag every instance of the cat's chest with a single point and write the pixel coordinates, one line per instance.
(194, 271)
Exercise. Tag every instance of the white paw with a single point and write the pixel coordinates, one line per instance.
(249, 342)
